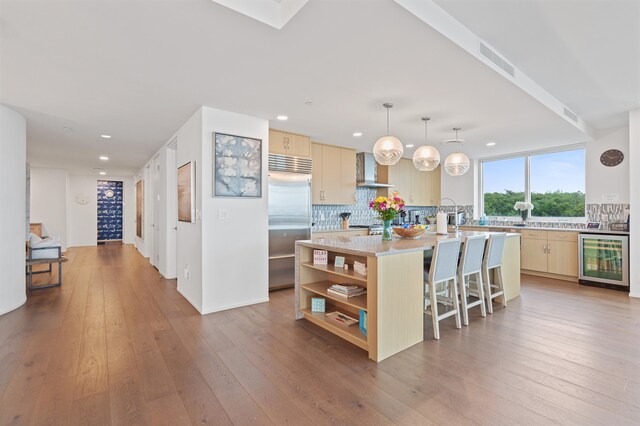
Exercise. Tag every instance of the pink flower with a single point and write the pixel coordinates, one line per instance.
(396, 207)
(383, 207)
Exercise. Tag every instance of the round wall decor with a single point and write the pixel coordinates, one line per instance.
(82, 199)
(611, 157)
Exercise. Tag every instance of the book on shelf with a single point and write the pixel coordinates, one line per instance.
(346, 295)
(363, 321)
(342, 318)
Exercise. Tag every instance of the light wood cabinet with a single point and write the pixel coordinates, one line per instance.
(334, 175)
(289, 144)
(552, 252)
(415, 187)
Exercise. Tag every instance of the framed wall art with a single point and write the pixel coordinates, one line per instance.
(186, 192)
(237, 166)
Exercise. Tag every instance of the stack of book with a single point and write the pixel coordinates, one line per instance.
(346, 290)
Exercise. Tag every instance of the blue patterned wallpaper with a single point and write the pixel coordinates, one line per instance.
(109, 210)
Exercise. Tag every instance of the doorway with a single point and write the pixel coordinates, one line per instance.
(172, 210)
(110, 197)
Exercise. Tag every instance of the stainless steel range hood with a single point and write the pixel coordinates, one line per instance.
(367, 171)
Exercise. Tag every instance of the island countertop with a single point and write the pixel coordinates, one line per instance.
(372, 245)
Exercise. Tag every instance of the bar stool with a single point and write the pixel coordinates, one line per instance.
(443, 271)
(493, 261)
(471, 265)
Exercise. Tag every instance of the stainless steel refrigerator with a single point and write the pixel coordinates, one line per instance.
(289, 215)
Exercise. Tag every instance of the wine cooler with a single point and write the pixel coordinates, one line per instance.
(604, 260)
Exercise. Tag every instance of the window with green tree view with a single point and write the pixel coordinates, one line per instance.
(554, 182)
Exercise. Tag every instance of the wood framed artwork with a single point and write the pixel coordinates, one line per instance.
(237, 166)
(186, 192)
(139, 208)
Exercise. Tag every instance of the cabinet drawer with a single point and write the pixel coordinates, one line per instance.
(563, 236)
(533, 235)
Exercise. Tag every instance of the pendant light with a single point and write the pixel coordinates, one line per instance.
(426, 158)
(456, 164)
(388, 149)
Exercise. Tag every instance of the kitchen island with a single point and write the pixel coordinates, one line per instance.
(394, 281)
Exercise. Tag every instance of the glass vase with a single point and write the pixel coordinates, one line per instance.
(386, 230)
(524, 214)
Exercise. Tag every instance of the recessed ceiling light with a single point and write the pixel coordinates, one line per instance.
(308, 103)
(410, 145)
(104, 158)
(282, 117)
(67, 129)
(105, 136)
(103, 173)
(357, 134)
(491, 143)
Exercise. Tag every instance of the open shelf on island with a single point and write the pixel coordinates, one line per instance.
(320, 288)
(348, 273)
(350, 333)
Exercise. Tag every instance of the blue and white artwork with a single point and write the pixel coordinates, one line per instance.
(237, 166)
(109, 210)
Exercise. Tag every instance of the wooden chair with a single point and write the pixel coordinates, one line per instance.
(443, 271)
(493, 262)
(31, 262)
(471, 266)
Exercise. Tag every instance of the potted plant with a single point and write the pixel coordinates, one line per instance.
(387, 208)
(524, 208)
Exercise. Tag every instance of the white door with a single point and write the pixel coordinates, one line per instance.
(155, 227)
(172, 211)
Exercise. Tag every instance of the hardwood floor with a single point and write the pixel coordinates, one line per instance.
(117, 344)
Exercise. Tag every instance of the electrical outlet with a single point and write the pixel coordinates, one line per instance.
(186, 272)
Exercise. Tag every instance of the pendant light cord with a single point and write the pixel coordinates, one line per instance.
(388, 133)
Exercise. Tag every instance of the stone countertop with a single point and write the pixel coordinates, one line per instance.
(318, 231)
(539, 228)
(372, 245)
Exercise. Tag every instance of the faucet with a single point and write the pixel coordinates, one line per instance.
(455, 219)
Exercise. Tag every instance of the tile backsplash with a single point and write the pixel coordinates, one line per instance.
(326, 217)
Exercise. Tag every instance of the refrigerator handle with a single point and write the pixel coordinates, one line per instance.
(310, 215)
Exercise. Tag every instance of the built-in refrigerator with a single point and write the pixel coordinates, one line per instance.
(289, 215)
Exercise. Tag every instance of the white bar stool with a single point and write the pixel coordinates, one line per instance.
(443, 271)
(471, 265)
(493, 261)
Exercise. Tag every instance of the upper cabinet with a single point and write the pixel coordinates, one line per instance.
(289, 144)
(415, 187)
(334, 175)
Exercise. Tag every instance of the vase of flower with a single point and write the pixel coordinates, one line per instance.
(387, 208)
(386, 230)
(524, 208)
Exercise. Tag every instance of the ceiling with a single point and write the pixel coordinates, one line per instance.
(585, 52)
(138, 69)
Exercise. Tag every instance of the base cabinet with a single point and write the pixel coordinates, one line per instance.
(550, 252)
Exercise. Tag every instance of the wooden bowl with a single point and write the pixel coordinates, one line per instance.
(408, 232)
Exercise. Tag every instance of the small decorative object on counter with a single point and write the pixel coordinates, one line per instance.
(483, 220)
(345, 219)
(524, 208)
(320, 257)
(339, 262)
(387, 208)
(318, 304)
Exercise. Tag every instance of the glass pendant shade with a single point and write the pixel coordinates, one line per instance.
(426, 158)
(457, 164)
(388, 150)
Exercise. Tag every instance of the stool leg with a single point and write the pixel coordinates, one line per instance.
(456, 306)
(434, 311)
(483, 308)
(501, 284)
(487, 279)
(463, 300)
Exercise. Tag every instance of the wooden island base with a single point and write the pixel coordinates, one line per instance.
(394, 283)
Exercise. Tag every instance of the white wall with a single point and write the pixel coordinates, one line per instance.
(604, 184)
(235, 250)
(82, 220)
(13, 160)
(459, 188)
(49, 201)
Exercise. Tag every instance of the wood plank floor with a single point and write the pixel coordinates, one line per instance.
(117, 344)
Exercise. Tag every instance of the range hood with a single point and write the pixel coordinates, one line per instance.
(367, 171)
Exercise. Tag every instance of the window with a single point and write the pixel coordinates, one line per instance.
(554, 182)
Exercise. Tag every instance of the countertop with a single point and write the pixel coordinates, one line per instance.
(372, 245)
(538, 228)
(339, 229)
